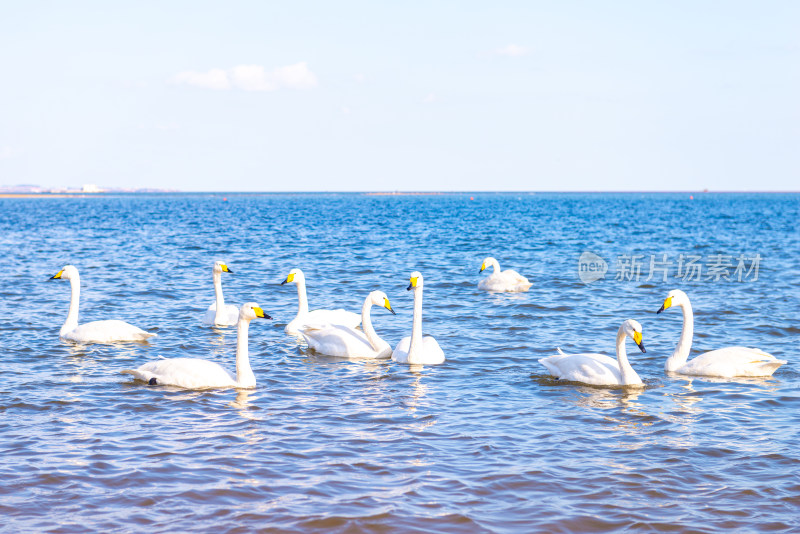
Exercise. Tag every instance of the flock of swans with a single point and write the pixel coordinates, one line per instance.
(337, 333)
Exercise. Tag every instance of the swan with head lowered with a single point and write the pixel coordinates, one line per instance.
(508, 281)
(346, 342)
(315, 318)
(726, 362)
(416, 349)
(599, 369)
(218, 313)
(110, 331)
(195, 373)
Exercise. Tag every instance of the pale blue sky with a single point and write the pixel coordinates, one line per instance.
(353, 96)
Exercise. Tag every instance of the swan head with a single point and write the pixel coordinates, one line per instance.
(676, 297)
(488, 262)
(633, 330)
(250, 311)
(221, 267)
(295, 275)
(69, 272)
(379, 298)
(415, 281)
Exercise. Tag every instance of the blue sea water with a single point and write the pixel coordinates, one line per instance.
(486, 442)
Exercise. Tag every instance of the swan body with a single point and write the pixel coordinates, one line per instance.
(109, 331)
(726, 362)
(599, 369)
(509, 281)
(416, 349)
(218, 313)
(315, 318)
(195, 373)
(346, 342)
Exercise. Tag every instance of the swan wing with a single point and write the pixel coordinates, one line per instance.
(341, 341)
(732, 361)
(507, 281)
(400, 352)
(231, 315)
(317, 319)
(593, 369)
(109, 331)
(191, 373)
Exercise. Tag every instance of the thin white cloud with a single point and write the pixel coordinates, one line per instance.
(512, 50)
(7, 152)
(250, 78)
(429, 98)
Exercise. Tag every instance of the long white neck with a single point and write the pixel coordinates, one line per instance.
(72, 316)
(301, 296)
(629, 376)
(220, 317)
(415, 349)
(681, 353)
(244, 374)
(366, 323)
(495, 266)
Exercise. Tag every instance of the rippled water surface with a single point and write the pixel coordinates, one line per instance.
(486, 442)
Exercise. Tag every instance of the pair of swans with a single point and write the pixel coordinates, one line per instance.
(508, 281)
(346, 341)
(109, 331)
(599, 370)
(195, 373)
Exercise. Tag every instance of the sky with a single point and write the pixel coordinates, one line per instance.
(401, 96)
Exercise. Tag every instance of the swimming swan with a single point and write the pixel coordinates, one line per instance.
(726, 363)
(342, 341)
(194, 373)
(508, 281)
(416, 349)
(316, 318)
(220, 314)
(599, 369)
(109, 331)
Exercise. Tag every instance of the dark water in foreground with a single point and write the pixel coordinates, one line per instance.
(485, 442)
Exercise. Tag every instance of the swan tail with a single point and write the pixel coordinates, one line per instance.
(769, 367)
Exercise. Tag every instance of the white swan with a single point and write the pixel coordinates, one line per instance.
(218, 313)
(315, 318)
(416, 349)
(194, 373)
(726, 363)
(109, 331)
(599, 369)
(508, 281)
(346, 342)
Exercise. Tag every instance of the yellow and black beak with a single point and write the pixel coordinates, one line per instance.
(483, 268)
(667, 305)
(289, 279)
(413, 284)
(260, 314)
(388, 306)
(637, 338)
(225, 269)
(57, 276)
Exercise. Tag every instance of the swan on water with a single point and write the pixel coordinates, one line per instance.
(599, 369)
(346, 342)
(726, 362)
(109, 331)
(314, 318)
(509, 281)
(416, 349)
(195, 373)
(218, 313)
